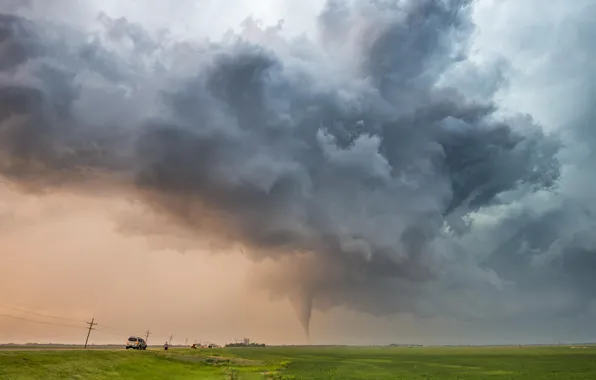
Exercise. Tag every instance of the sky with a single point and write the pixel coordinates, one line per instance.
(323, 171)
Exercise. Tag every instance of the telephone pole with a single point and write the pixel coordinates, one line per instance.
(170, 342)
(91, 324)
(147, 333)
(186, 342)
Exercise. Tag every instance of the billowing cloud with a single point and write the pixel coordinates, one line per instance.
(352, 159)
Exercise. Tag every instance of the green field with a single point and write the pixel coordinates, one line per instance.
(538, 363)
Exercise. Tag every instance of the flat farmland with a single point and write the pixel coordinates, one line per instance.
(528, 363)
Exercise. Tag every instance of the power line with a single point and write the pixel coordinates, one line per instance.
(108, 326)
(104, 328)
(44, 322)
(91, 324)
(114, 332)
(117, 330)
(40, 314)
(109, 331)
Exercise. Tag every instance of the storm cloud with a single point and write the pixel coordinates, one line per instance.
(348, 159)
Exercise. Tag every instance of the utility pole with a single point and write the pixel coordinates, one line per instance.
(91, 324)
(170, 342)
(186, 342)
(147, 333)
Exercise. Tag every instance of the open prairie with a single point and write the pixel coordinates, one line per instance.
(305, 363)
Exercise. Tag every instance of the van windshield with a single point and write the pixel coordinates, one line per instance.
(132, 339)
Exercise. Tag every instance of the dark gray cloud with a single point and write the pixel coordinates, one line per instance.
(543, 243)
(355, 168)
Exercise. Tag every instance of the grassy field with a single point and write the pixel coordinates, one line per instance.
(538, 363)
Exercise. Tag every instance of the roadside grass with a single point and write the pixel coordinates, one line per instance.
(149, 365)
(309, 363)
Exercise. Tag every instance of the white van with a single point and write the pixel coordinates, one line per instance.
(136, 343)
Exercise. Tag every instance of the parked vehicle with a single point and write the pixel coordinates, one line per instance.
(136, 343)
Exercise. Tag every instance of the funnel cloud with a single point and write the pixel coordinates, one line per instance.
(359, 160)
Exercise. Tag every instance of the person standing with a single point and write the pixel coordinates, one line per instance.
(165, 346)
